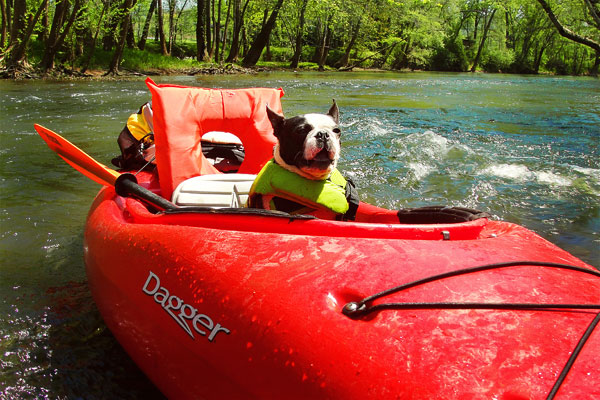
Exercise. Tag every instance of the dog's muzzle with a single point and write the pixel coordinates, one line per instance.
(321, 151)
(322, 140)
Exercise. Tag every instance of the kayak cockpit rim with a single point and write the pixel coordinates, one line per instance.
(266, 221)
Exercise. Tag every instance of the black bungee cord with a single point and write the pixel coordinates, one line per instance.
(356, 310)
(363, 307)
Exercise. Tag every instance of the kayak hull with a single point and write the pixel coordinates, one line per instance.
(210, 309)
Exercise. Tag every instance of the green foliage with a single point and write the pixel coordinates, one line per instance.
(137, 60)
(396, 34)
(184, 49)
(497, 60)
(450, 57)
(280, 54)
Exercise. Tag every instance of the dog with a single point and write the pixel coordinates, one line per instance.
(309, 144)
(302, 176)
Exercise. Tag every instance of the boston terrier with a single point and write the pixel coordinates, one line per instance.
(302, 177)
(309, 144)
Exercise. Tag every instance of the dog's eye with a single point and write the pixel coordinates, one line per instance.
(337, 131)
(304, 130)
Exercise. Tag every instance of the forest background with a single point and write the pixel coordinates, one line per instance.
(50, 37)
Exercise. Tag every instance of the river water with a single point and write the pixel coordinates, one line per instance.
(524, 148)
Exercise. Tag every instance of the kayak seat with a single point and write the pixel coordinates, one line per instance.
(182, 115)
(214, 190)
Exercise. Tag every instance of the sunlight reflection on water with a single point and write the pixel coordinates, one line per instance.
(523, 148)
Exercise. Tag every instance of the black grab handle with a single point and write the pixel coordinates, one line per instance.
(127, 185)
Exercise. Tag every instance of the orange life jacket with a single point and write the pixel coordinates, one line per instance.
(183, 114)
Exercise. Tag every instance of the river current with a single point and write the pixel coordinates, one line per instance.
(526, 149)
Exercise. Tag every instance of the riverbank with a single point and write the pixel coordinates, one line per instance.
(65, 73)
(150, 62)
(61, 72)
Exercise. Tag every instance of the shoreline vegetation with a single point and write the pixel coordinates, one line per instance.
(123, 38)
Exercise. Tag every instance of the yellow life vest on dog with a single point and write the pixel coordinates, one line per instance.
(335, 193)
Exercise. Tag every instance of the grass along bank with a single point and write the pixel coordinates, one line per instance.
(73, 64)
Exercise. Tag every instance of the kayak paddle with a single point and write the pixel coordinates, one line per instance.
(125, 184)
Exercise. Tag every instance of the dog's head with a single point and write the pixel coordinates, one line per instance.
(308, 144)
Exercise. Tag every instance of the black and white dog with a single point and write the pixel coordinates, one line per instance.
(302, 177)
(309, 144)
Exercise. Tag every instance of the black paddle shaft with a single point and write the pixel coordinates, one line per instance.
(126, 185)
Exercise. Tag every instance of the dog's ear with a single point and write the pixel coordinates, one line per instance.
(275, 118)
(334, 112)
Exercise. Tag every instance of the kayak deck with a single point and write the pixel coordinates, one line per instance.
(263, 297)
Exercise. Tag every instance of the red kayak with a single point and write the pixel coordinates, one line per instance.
(213, 300)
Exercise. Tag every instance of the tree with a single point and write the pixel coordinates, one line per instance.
(4, 28)
(64, 17)
(86, 63)
(161, 29)
(593, 9)
(113, 68)
(488, 17)
(20, 34)
(144, 35)
(322, 47)
(219, 57)
(354, 36)
(564, 31)
(238, 23)
(201, 45)
(263, 37)
(299, 33)
(208, 34)
(214, 52)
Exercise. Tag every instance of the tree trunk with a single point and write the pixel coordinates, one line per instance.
(86, 63)
(161, 28)
(486, 29)
(325, 52)
(384, 51)
(594, 9)
(224, 41)
(234, 50)
(209, 39)
(238, 25)
(18, 25)
(565, 32)
(18, 48)
(60, 10)
(323, 48)
(346, 57)
(263, 37)
(594, 71)
(299, 34)
(4, 28)
(172, 4)
(112, 26)
(176, 24)
(538, 58)
(113, 68)
(15, 33)
(142, 41)
(43, 35)
(56, 36)
(130, 42)
(201, 52)
(217, 36)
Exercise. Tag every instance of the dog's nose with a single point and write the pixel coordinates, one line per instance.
(322, 135)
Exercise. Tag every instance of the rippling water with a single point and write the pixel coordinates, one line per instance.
(524, 148)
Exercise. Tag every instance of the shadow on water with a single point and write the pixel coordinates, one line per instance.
(54, 344)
